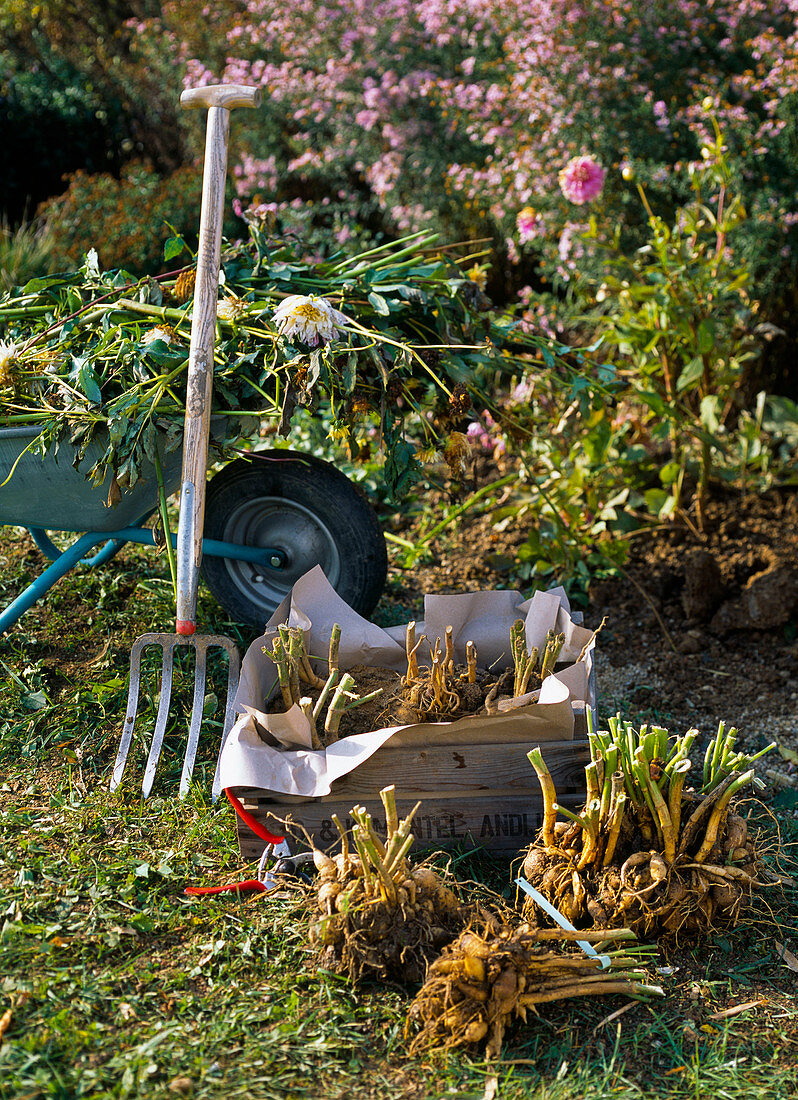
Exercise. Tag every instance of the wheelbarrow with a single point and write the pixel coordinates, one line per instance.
(268, 519)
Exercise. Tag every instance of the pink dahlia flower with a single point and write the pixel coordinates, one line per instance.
(582, 179)
(528, 224)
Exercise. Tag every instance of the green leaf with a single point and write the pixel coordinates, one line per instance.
(35, 700)
(690, 375)
(378, 302)
(706, 337)
(401, 468)
(669, 473)
(711, 412)
(173, 247)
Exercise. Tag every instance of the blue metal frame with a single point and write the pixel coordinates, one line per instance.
(62, 561)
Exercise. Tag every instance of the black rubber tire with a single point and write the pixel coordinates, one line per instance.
(308, 509)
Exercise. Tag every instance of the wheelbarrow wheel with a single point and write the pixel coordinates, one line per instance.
(307, 509)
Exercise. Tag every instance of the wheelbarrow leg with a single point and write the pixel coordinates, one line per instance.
(45, 581)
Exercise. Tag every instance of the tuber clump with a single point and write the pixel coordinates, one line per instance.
(443, 690)
(486, 979)
(374, 911)
(646, 851)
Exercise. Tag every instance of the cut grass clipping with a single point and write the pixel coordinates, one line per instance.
(646, 851)
(485, 980)
(374, 912)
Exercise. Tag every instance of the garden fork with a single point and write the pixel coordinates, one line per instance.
(220, 100)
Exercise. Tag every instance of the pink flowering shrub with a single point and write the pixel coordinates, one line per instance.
(470, 115)
(508, 119)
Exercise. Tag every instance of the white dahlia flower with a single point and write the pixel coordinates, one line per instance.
(309, 318)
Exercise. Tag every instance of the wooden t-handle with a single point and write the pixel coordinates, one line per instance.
(221, 95)
(219, 100)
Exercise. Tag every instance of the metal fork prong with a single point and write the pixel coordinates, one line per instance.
(163, 714)
(233, 673)
(200, 647)
(130, 713)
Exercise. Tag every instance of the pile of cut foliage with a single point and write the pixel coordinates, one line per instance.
(88, 352)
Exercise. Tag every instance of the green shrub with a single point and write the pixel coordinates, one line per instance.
(50, 108)
(127, 220)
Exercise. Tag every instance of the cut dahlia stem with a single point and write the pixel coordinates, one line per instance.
(368, 885)
(404, 824)
(344, 835)
(471, 661)
(338, 705)
(397, 857)
(306, 704)
(682, 751)
(359, 700)
(610, 763)
(639, 784)
(449, 661)
(335, 641)
(280, 659)
(591, 777)
(554, 645)
(386, 882)
(675, 794)
(329, 684)
(589, 935)
(614, 829)
(411, 645)
(661, 816)
(529, 668)
(535, 758)
(711, 833)
(631, 989)
(388, 796)
(701, 813)
(579, 819)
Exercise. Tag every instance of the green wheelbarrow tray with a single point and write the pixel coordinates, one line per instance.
(269, 518)
(48, 493)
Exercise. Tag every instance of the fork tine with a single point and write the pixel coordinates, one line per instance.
(200, 646)
(163, 714)
(130, 712)
(233, 673)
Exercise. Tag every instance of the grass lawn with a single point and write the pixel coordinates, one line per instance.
(115, 984)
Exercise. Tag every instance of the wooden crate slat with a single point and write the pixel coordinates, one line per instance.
(504, 818)
(459, 767)
(501, 825)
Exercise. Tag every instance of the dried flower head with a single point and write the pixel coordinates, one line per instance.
(582, 179)
(460, 400)
(428, 455)
(230, 309)
(456, 453)
(308, 317)
(359, 403)
(430, 356)
(165, 333)
(8, 357)
(184, 286)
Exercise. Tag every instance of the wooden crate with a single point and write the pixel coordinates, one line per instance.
(471, 792)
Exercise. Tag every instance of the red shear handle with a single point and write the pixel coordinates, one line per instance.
(249, 883)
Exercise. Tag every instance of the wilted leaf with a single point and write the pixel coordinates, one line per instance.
(787, 957)
(788, 754)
